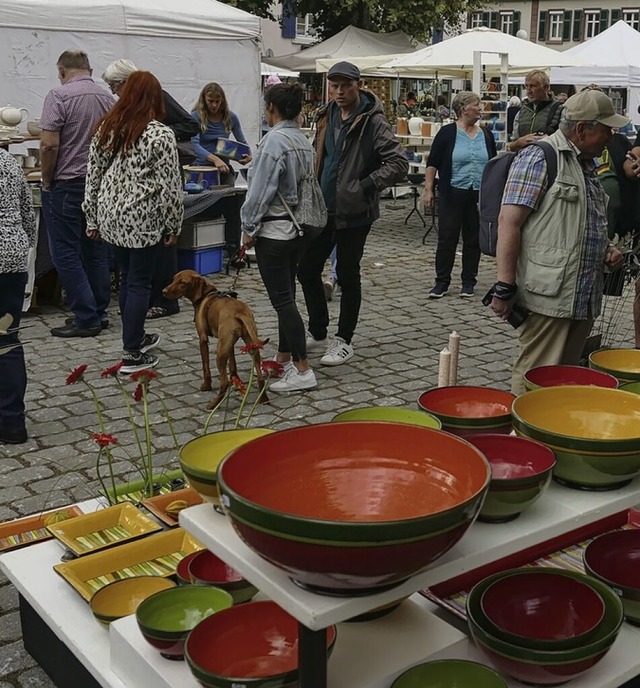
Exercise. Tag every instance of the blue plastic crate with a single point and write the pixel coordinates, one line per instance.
(203, 260)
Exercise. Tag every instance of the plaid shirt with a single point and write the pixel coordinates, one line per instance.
(527, 184)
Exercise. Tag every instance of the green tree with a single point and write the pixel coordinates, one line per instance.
(418, 18)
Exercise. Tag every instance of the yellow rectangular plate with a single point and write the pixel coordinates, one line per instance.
(157, 555)
(105, 528)
(26, 531)
(158, 505)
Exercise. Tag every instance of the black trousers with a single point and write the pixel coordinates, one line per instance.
(349, 243)
(278, 261)
(13, 373)
(458, 210)
(165, 269)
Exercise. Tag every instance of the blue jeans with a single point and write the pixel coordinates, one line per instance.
(82, 264)
(13, 374)
(137, 266)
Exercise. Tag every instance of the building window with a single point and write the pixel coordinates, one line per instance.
(476, 20)
(304, 26)
(591, 23)
(632, 17)
(555, 25)
(506, 22)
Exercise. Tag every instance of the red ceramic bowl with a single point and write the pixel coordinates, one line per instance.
(556, 375)
(542, 610)
(253, 644)
(182, 570)
(208, 569)
(348, 508)
(464, 409)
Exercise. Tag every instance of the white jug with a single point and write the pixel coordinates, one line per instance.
(11, 116)
(415, 126)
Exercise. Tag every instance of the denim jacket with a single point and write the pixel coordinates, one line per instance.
(275, 168)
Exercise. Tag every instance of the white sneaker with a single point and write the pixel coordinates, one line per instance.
(294, 381)
(314, 344)
(339, 352)
(329, 285)
(285, 364)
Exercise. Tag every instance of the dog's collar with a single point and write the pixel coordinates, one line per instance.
(206, 295)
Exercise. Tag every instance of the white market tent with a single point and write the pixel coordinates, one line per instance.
(268, 70)
(349, 43)
(185, 45)
(616, 55)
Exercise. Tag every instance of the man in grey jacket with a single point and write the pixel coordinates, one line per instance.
(357, 156)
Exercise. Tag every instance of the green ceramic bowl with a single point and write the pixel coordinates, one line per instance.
(450, 673)
(623, 364)
(392, 414)
(166, 618)
(593, 432)
(200, 458)
(633, 387)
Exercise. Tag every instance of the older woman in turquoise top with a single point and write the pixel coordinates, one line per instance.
(458, 155)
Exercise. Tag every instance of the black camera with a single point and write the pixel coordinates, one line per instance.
(518, 313)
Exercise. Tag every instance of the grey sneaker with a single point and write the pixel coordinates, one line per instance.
(439, 291)
(339, 352)
(294, 381)
(314, 344)
(467, 291)
(149, 341)
(133, 363)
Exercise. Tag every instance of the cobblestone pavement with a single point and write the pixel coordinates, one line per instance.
(397, 343)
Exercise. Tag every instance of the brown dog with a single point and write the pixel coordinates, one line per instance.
(222, 316)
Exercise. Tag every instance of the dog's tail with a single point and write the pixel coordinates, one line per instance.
(249, 325)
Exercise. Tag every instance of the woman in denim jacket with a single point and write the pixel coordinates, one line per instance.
(275, 174)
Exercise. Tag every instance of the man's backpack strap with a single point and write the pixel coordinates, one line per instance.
(552, 161)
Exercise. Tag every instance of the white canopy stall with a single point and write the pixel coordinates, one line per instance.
(185, 45)
(616, 56)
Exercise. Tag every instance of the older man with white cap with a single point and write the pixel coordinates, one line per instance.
(552, 242)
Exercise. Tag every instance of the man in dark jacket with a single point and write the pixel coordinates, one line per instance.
(540, 112)
(357, 156)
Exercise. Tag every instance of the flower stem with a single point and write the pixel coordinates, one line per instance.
(132, 419)
(245, 396)
(110, 499)
(215, 408)
(147, 436)
(168, 419)
(261, 393)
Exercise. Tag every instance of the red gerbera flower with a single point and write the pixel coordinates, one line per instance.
(272, 368)
(76, 374)
(144, 376)
(137, 393)
(248, 348)
(102, 439)
(237, 382)
(112, 371)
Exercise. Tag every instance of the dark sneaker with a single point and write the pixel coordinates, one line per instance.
(75, 331)
(149, 341)
(467, 291)
(439, 291)
(132, 363)
(17, 436)
(104, 324)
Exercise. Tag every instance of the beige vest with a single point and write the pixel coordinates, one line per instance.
(552, 242)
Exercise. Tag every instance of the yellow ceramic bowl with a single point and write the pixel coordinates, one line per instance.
(122, 597)
(199, 458)
(621, 363)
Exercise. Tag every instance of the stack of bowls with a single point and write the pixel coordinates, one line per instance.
(520, 472)
(353, 508)
(200, 458)
(557, 375)
(465, 410)
(613, 558)
(594, 433)
(543, 626)
(450, 673)
(624, 364)
(254, 644)
(208, 569)
(392, 414)
(122, 597)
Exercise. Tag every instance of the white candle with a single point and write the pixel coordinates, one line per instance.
(454, 348)
(443, 370)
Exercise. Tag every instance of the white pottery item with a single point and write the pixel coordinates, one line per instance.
(11, 116)
(415, 126)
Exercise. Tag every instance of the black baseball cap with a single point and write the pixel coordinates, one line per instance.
(344, 69)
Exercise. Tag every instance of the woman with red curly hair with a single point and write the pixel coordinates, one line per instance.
(134, 201)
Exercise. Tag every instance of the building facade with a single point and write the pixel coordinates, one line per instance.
(287, 35)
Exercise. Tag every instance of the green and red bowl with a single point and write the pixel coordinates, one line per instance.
(392, 414)
(353, 508)
(623, 364)
(253, 645)
(544, 667)
(208, 569)
(613, 558)
(558, 375)
(200, 458)
(633, 387)
(450, 673)
(466, 409)
(521, 471)
(542, 610)
(166, 618)
(594, 433)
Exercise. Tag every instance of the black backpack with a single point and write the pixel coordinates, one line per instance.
(494, 177)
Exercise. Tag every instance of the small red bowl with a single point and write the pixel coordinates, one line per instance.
(208, 569)
(556, 375)
(182, 570)
(542, 610)
(252, 644)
